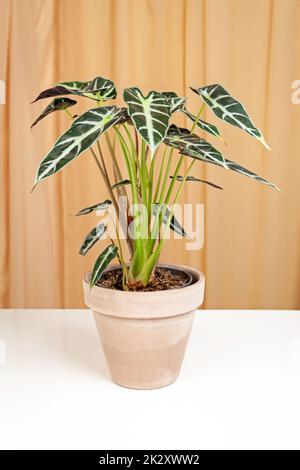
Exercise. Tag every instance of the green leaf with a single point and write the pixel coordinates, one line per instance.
(101, 206)
(102, 262)
(183, 140)
(51, 92)
(231, 166)
(99, 89)
(81, 135)
(175, 102)
(92, 238)
(240, 169)
(205, 126)
(229, 110)
(57, 104)
(121, 183)
(126, 118)
(150, 115)
(174, 224)
(192, 178)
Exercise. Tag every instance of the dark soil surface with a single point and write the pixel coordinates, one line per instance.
(163, 279)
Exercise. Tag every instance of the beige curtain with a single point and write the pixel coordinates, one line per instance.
(251, 256)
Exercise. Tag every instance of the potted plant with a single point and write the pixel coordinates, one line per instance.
(143, 310)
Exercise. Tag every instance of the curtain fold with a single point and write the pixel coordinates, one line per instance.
(251, 255)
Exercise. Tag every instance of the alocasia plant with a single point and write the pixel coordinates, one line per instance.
(139, 129)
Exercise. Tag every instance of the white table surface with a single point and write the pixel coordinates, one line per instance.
(239, 387)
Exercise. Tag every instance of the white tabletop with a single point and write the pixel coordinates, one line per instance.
(239, 387)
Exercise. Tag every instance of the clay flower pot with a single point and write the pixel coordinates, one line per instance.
(144, 334)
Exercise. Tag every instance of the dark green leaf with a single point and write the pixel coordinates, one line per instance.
(229, 109)
(183, 140)
(150, 115)
(51, 92)
(205, 126)
(81, 135)
(58, 104)
(175, 102)
(174, 224)
(92, 238)
(231, 166)
(99, 89)
(192, 178)
(102, 262)
(240, 169)
(121, 183)
(97, 207)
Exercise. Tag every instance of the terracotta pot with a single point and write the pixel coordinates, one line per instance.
(144, 334)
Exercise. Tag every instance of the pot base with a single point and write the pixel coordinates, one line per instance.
(144, 388)
(144, 354)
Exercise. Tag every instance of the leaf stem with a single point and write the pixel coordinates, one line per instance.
(197, 117)
(103, 161)
(69, 114)
(121, 190)
(158, 183)
(120, 254)
(150, 188)
(113, 156)
(106, 181)
(144, 174)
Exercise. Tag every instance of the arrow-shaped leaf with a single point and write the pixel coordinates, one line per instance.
(92, 238)
(57, 104)
(229, 109)
(102, 262)
(175, 102)
(205, 126)
(81, 135)
(150, 115)
(51, 92)
(174, 224)
(99, 89)
(102, 206)
(197, 180)
(231, 166)
(183, 140)
(120, 184)
(240, 169)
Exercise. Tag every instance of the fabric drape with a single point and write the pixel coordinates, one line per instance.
(251, 255)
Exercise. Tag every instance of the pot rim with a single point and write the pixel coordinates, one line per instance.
(146, 305)
(196, 276)
(190, 281)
